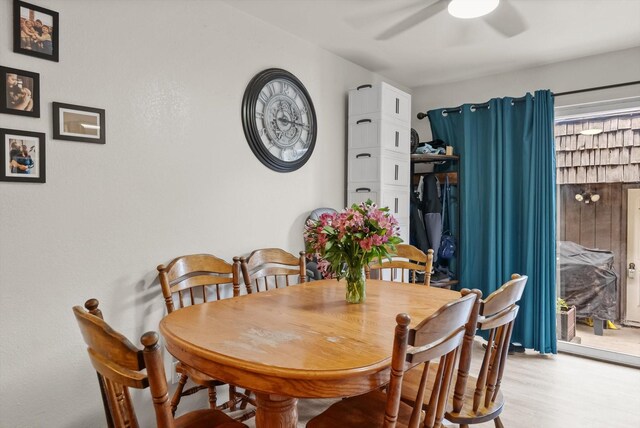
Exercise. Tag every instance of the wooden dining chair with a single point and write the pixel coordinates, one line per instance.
(190, 280)
(122, 366)
(91, 306)
(270, 268)
(404, 265)
(437, 337)
(479, 399)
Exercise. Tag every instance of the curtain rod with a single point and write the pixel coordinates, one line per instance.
(559, 94)
(597, 88)
(473, 107)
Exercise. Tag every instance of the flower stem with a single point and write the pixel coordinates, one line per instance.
(356, 285)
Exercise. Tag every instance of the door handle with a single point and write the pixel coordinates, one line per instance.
(632, 270)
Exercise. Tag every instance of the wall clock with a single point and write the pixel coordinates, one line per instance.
(279, 120)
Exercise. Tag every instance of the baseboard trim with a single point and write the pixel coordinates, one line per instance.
(599, 354)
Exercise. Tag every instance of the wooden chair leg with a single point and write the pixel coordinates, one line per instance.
(498, 422)
(247, 415)
(232, 397)
(213, 397)
(175, 400)
(245, 401)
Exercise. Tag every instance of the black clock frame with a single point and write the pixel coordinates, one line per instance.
(250, 128)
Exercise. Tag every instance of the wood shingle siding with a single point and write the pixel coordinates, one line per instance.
(610, 157)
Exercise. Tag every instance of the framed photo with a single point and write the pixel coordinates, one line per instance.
(78, 123)
(35, 31)
(22, 157)
(20, 92)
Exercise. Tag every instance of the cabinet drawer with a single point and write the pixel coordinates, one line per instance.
(398, 203)
(384, 196)
(360, 194)
(395, 103)
(376, 165)
(376, 132)
(380, 98)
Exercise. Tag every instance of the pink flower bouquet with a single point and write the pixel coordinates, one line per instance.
(345, 242)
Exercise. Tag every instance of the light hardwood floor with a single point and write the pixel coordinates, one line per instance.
(551, 391)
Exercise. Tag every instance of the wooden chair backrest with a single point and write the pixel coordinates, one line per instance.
(121, 366)
(91, 306)
(197, 278)
(497, 315)
(404, 264)
(438, 336)
(269, 268)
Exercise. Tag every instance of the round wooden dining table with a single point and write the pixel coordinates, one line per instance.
(302, 341)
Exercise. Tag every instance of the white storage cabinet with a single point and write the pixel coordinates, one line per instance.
(379, 140)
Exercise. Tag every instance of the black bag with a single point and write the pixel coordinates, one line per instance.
(447, 247)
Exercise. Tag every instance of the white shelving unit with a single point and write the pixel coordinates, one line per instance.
(379, 164)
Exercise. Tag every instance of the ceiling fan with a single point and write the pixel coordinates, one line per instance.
(501, 16)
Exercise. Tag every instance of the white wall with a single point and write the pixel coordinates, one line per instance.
(600, 70)
(175, 177)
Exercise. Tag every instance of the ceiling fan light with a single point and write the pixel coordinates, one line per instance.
(467, 9)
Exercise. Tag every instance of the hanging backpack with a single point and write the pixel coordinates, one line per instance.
(447, 247)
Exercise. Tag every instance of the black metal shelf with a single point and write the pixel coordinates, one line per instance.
(424, 158)
(430, 157)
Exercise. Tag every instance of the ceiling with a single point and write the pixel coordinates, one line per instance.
(445, 49)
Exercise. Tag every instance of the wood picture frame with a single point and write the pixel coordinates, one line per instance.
(20, 92)
(78, 123)
(35, 31)
(22, 156)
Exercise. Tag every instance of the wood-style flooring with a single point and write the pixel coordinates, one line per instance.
(549, 391)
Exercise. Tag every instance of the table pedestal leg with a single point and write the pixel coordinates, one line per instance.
(275, 411)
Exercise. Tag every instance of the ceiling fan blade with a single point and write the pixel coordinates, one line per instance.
(506, 20)
(379, 14)
(413, 20)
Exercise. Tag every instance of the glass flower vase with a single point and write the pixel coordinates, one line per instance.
(356, 284)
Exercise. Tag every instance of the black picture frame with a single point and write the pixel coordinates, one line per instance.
(37, 44)
(33, 157)
(67, 117)
(13, 90)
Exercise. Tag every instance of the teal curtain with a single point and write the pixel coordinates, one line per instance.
(507, 203)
